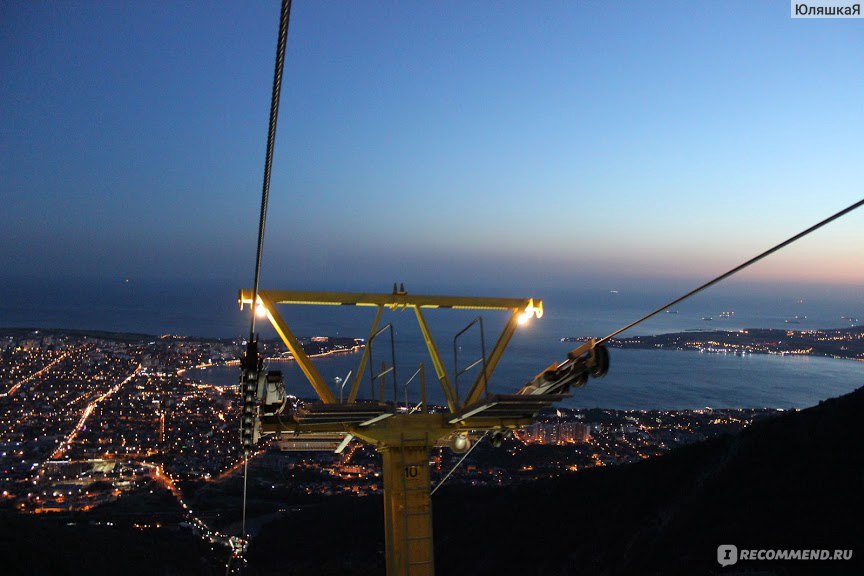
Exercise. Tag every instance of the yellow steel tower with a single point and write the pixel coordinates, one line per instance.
(405, 435)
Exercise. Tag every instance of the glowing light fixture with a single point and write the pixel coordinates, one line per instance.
(260, 310)
(530, 310)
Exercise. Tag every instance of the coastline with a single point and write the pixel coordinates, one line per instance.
(836, 343)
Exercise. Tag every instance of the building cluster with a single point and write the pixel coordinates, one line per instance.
(557, 432)
(559, 442)
(170, 353)
(86, 421)
(564, 441)
(44, 405)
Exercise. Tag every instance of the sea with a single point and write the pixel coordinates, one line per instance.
(637, 379)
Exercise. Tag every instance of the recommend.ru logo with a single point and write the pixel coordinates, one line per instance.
(727, 554)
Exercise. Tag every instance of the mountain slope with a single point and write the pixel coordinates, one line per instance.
(792, 481)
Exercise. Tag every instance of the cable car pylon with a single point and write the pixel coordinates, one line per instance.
(404, 434)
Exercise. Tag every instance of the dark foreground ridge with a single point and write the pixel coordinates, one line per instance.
(791, 481)
(786, 482)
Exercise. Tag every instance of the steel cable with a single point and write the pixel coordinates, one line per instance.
(736, 269)
(285, 16)
(271, 140)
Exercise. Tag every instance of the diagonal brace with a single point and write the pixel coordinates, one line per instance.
(324, 393)
(479, 386)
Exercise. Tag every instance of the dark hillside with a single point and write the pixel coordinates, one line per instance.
(793, 481)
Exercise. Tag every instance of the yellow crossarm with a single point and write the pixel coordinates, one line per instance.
(520, 309)
(393, 301)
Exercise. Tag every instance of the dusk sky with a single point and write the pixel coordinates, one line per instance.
(435, 143)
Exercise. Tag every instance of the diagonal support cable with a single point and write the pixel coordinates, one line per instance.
(459, 463)
(736, 269)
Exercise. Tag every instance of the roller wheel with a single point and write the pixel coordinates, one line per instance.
(497, 439)
(600, 362)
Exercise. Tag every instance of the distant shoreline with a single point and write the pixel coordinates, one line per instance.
(837, 343)
(117, 336)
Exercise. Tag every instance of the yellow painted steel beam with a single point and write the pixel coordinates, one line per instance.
(479, 386)
(393, 301)
(364, 359)
(396, 428)
(324, 393)
(440, 369)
